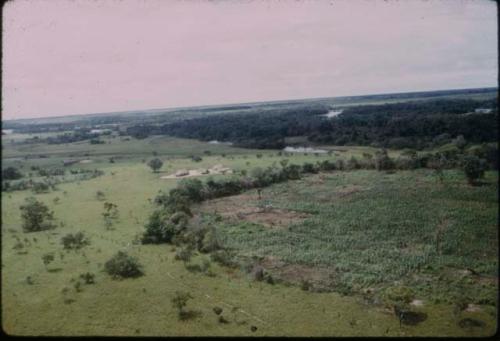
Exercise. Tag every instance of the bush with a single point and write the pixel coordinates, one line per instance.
(122, 265)
(36, 216)
(474, 168)
(155, 164)
(11, 173)
(191, 188)
(40, 187)
(100, 195)
(309, 168)
(184, 254)
(88, 278)
(210, 241)
(383, 161)
(74, 241)
(163, 227)
(179, 302)
(353, 164)
(398, 294)
(223, 257)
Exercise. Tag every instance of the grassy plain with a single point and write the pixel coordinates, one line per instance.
(362, 232)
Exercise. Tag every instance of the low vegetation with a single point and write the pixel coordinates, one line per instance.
(121, 265)
(36, 216)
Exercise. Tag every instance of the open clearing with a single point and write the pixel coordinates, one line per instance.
(183, 173)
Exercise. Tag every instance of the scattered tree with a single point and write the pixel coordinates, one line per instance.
(121, 265)
(474, 168)
(36, 216)
(11, 173)
(74, 241)
(155, 164)
(179, 302)
(47, 259)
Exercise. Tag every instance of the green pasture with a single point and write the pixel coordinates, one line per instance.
(363, 231)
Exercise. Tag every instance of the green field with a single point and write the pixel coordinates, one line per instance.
(374, 230)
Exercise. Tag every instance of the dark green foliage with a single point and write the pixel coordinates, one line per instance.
(40, 187)
(155, 164)
(100, 195)
(179, 302)
(489, 152)
(88, 278)
(224, 257)
(474, 168)
(47, 259)
(36, 216)
(411, 124)
(196, 158)
(163, 227)
(121, 265)
(383, 161)
(191, 189)
(110, 214)
(353, 164)
(74, 241)
(184, 254)
(11, 173)
(309, 168)
(460, 142)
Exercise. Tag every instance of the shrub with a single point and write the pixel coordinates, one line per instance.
(398, 294)
(179, 302)
(47, 259)
(74, 241)
(340, 164)
(210, 241)
(309, 168)
(36, 216)
(163, 228)
(100, 195)
(40, 187)
(191, 188)
(121, 265)
(110, 214)
(489, 152)
(196, 158)
(155, 164)
(11, 173)
(184, 254)
(88, 278)
(326, 165)
(460, 142)
(383, 161)
(353, 163)
(474, 168)
(223, 257)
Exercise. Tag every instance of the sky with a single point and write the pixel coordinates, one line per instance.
(67, 57)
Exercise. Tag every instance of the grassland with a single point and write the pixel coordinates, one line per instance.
(362, 231)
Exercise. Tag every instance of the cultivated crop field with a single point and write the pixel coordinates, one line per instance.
(357, 235)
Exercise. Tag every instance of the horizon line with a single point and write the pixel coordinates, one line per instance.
(120, 112)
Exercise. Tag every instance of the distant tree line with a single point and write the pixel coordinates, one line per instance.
(415, 124)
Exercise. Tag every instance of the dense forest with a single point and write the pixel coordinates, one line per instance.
(415, 124)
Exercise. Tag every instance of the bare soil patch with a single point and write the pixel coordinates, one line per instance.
(319, 278)
(238, 208)
(184, 173)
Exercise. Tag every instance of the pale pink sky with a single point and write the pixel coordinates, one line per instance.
(63, 57)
